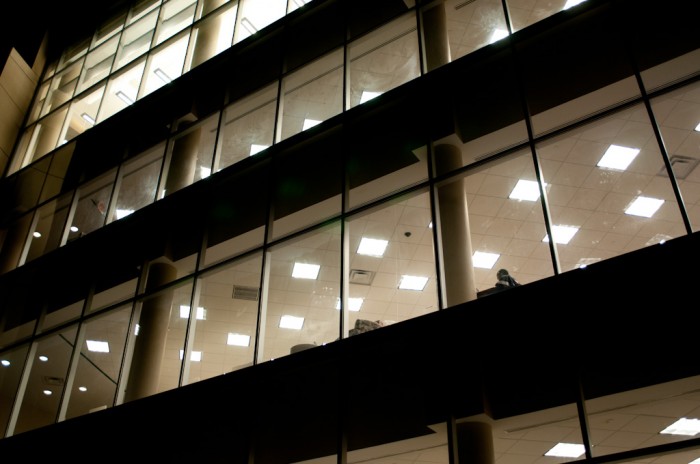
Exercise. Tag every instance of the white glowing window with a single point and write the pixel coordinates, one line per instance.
(525, 190)
(566, 450)
(484, 260)
(618, 157)
(372, 246)
(644, 206)
(305, 271)
(291, 322)
(97, 346)
(562, 234)
(235, 339)
(409, 282)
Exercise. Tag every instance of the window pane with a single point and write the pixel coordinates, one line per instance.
(391, 246)
(49, 227)
(138, 183)
(175, 15)
(383, 60)
(136, 40)
(607, 189)
(212, 36)
(98, 64)
(111, 28)
(524, 13)
(92, 205)
(473, 25)
(226, 319)
(10, 376)
(165, 65)
(39, 102)
(122, 90)
(82, 114)
(62, 88)
(40, 139)
(247, 127)
(73, 53)
(312, 94)
(255, 15)
(112, 284)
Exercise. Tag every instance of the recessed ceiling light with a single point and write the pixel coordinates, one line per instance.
(497, 35)
(5, 362)
(43, 358)
(82, 389)
(562, 234)
(683, 426)
(97, 346)
(697, 128)
(255, 148)
(291, 322)
(484, 260)
(185, 312)
(367, 95)
(196, 356)
(566, 450)
(162, 75)
(120, 213)
(354, 304)
(48, 392)
(372, 246)
(74, 229)
(618, 157)
(37, 234)
(88, 118)
(570, 3)
(204, 172)
(124, 97)
(644, 206)
(527, 190)
(236, 339)
(409, 282)
(309, 123)
(305, 271)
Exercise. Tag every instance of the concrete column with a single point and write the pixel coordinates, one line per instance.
(183, 161)
(436, 42)
(153, 330)
(457, 253)
(475, 443)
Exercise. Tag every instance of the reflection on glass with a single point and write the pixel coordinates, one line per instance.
(98, 64)
(11, 367)
(138, 183)
(307, 302)
(165, 65)
(384, 59)
(212, 35)
(136, 39)
(62, 88)
(73, 53)
(94, 386)
(255, 15)
(92, 205)
(592, 203)
(111, 28)
(48, 366)
(40, 139)
(225, 321)
(390, 244)
(118, 283)
(49, 227)
(175, 15)
(247, 127)
(678, 116)
(312, 94)
(122, 90)
(472, 25)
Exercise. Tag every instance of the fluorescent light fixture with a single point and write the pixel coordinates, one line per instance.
(697, 128)
(409, 282)
(367, 95)
(527, 190)
(88, 118)
(618, 157)
(120, 213)
(236, 339)
(497, 35)
(305, 271)
(372, 246)
(162, 75)
(309, 123)
(5, 362)
(683, 426)
(48, 392)
(37, 234)
(354, 304)
(566, 450)
(124, 97)
(255, 148)
(291, 322)
(196, 356)
(74, 229)
(245, 22)
(484, 260)
(562, 234)
(43, 358)
(82, 389)
(97, 346)
(204, 172)
(644, 206)
(695, 461)
(570, 3)
(185, 312)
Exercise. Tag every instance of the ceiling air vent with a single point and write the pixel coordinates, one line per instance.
(56, 381)
(358, 276)
(245, 293)
(682, 166)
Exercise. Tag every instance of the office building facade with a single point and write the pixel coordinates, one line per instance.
(273, 230)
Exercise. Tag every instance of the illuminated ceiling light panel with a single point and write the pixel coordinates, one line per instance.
(309, 123)
(497, 35)
(185, 312)
(124, 97)
(570, 3)
(484, 260)
(120, 213)
(162, 75)
(618, 157)
(5, 362)
(255, 148)
(291, 322)
(372, 246)
(562, 234)
(43, 358)
(74, 229)
(235, 339)
(527, 190)
(409, 282)
(204, 172)
(48, 392)
(697, 128)
(97, 346)
(367, 96)
(305, 271)
(566, 450)
(683, 426)
(36, 234)
(695, 461)
(644, 206)
(82, 389)
(88, 118)
(196, 356)
(354, 304)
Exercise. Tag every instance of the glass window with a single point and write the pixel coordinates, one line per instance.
(39, 139)
(11, 368)
(94, 385)
(98, 64)
(45, 383)
(137, 184)
(164, 65)
(383, 60)
(92, 204)
(523, 13)
(112, 283)
(295, 4)
(62, 88)
(302, 293)
(392, 271)
(141, 9)
(74, 53)
(247, 127)
(82, 114)
(312, 94)
(212, 36)
(66, 295)
(56, 175)
(14, 242)
(111, 28)
(136, 38)
(175, 15)
(678, 117)
(122, 90)
(49, 227)
(40, 99)
(473, 25)
(225, 321)
(255, 15)
(190, 155)
(607, 190)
